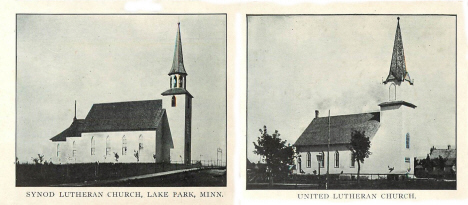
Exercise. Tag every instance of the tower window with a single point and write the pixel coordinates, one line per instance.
(93, 146)
(181, 82)
(175, 81)
(108, 146)
(407, 160)
(124, 145)
(170, 84)
(392, 92)
(407, 141)
(308, 159)
(173, 101)
(337, 159)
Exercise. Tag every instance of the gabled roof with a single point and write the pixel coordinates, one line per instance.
(176, 91)
(178, 61)
(119, 116)
(449, 154)
(444, 153)
(398, 72)
(340, 129)
(74, 130)
(134, 115)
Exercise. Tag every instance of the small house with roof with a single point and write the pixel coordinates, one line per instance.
(449, 155)
(137, 131)
(326, 139)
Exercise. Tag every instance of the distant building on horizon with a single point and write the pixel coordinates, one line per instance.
(136, 130)
(388, 130)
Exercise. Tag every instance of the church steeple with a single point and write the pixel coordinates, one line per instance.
(178, 106)
(398, 72)
(178, 61)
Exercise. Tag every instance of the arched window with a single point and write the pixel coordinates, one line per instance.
(392, 92)
(309, 158)
(140, 143)
(353, 161)
(322, 163)
(124, 145)
(175, 82)
(337, 159)
(58, 150)
(181, 82)
(93, 146)
(407, 141)
(108, 146)
(74, 149)
(173, 101)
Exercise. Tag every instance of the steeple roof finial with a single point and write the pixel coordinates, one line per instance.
(178, 61)
(398, 72)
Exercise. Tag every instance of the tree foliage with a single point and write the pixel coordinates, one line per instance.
(276, 153)
(359, 147)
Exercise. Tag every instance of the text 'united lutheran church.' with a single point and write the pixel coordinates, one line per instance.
(389, 130)
(135, 131)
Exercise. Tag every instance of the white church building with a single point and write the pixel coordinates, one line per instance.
(136, 131)
(389, 131)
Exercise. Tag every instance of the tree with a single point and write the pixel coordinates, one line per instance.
(441, 162)
(39, 159)
(276, 153)
(359, 148)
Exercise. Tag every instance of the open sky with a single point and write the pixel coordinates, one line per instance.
(299, 64)
(114, 58)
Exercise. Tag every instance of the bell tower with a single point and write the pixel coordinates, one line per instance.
(178, 105)
(396, 114)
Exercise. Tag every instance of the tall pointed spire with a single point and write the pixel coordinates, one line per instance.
(398, 72)
(178, 61)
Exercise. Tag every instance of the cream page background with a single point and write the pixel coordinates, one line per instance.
(236, 11)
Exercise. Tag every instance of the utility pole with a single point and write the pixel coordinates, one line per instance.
(328, 151)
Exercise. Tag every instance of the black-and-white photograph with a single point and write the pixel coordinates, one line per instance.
(351, 102)
(116, 100)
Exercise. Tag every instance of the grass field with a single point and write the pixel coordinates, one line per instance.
(416, 184)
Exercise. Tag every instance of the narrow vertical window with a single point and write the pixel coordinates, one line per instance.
(181, 82)
(108, 146)
(170, 83)
(140, 144)
(309, 158)
(392, 92)
(353, 161)
(58, 150)
(93, 146)
(124, 145)
(74, 149)
(337, 159)
(175, 82)
(407, 140)
(173, 101)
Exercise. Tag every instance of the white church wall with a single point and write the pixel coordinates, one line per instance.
(84, 154)
(61, 156)
(344, 160)
(388, 146)
(176, 117)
